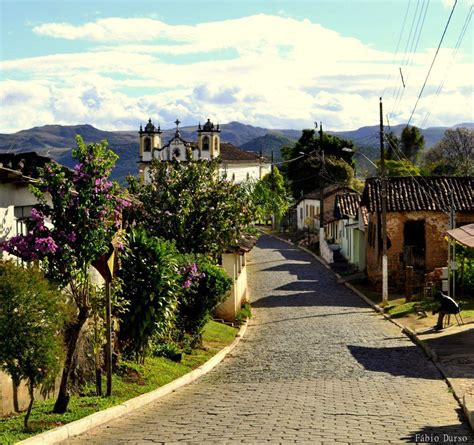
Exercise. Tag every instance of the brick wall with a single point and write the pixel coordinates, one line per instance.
(436, 247)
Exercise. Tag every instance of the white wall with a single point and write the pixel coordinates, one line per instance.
(239, 173)
(235, 266)
(12, 196)
(304, 211)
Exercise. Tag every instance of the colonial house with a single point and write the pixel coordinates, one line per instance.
(418, 211)
(235, 164)
(350, 228)
(308, 209)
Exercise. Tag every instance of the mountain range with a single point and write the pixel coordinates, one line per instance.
(57, 140)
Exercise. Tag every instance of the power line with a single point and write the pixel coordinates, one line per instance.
(449, 65)
(432, 63)
(389, 77)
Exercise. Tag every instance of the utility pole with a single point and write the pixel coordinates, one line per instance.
(452, 252)
(383, 199)
(321, 185)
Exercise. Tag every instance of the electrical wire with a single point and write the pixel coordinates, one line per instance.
(449, 65)
(433, 61)
(389, 77)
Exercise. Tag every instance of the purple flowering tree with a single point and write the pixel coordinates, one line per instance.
(84, 215)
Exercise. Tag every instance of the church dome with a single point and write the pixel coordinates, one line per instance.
(149, 127)
(208, 126)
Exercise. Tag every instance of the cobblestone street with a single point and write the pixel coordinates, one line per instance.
(316, 366)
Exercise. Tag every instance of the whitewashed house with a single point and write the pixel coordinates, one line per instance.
(350, 228)
(308, 209)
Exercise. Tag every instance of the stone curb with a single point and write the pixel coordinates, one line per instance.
(99, 418)
(467, 406)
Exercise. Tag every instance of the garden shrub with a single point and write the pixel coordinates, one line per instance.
(204, 285)
(32, 318)
(151, 285)
(167, 350)
(244, 313)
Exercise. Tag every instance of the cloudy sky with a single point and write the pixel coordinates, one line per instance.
(276, 64)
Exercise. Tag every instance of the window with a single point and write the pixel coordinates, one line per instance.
(301, 213)
(205, 143)
(22, 214)
(147, 147)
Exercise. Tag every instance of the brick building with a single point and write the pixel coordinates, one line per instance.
(417, 219)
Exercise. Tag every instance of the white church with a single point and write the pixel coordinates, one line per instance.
(235, 164)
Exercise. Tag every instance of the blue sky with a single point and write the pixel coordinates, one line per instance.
(276, 64)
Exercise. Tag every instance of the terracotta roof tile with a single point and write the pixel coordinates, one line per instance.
(409, 193)
(347, 205)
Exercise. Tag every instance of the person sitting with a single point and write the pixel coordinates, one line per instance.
(447, 306)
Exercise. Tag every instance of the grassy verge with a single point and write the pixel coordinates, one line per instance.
(132, 380)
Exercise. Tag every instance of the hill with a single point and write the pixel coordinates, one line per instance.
(57, 140)
(271, 142)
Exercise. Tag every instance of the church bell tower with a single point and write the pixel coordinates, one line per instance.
(150, 140)
(209, 140)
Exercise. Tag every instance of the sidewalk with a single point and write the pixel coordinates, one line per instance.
(454, 356)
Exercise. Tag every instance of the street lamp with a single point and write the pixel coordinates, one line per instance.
(350, 150)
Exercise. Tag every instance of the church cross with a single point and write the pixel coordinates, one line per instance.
(177, 122)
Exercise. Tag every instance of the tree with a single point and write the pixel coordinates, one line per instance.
(151, 285)
(187, 202)
(393, 144)
(32, 317)
(270, 197)
(401, 168)
(85, 214)
(453, 155)
(412, 142)
(304, 172)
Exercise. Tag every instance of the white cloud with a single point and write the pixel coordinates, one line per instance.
(263, 70)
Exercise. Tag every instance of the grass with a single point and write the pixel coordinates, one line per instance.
(132, 380)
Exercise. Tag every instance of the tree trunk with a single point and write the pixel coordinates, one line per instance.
(31, 390)
(72, 338)
(16, 406)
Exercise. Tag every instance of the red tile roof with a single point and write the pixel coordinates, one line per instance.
(414, 193)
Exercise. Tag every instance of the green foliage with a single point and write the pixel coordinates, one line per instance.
(401, 168)
(412, 142)
(32, 317)
(167, 350)
(304, 174)
(244, 313)
(453, 155)
(204, 286)
(270, 197)
(187, 202)
(150, 280)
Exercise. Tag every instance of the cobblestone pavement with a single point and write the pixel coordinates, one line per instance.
(316, 366)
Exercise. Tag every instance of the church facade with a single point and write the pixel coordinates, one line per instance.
(235, 164)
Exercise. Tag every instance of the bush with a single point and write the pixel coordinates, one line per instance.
(151, 285)
(32, 318)
(168, 350)
(244, 313)
(204, 285)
